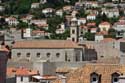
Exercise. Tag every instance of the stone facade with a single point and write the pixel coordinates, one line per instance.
(53, 55)
(49, 53)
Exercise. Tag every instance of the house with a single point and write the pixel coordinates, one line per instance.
(74, 13)
(35, 5)
(104, 26)
(40, 23)
(96, 12)
(109, 4)
(13, 35)
(119, 27)
(81, 21)
(91, 17)
(22, 75)
(43, 1)
(93, 30)
(99, 37)
(122, 19)
(61, 29)
(59, 12)
(82, 30)
(48, 11)
(32, 34)
(96, 72)
(12, 21)
(91, 24)
(26, 18)
(27, 33)
(78, 6)
(50, 50)
(67, 9)
(25, 75)
(40, 34)
(111, 12)
(91, 4)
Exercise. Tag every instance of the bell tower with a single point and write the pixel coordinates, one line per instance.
(74, 30)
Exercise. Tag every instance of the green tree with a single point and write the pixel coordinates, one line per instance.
(72, 2)
(54, 22)
(89, 36)
(112, 33)
(104, 17)
(3, 24)
(38, 14)
(81, 13)
(22, 25)
(113, 20)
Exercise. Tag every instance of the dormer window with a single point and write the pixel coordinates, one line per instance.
(115, 77)
(94, 78)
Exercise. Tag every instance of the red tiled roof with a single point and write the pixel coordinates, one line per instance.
(21, 71)
(94, 29)
(46, 44)
(120, 23)
(104, 23)
(103, 33)
(91, 24)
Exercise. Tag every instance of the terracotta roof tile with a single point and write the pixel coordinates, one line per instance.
(20, 71)
(46, 44)
(82, 75)
(104, 23)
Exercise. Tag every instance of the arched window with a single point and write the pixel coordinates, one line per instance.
(38, 55)
(48, 55)
(57, 55)
(115, 77)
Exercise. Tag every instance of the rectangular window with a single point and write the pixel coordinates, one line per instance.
(66, 56)
(18, 54)
(38, 55)
(73, 39)
(21, 78)
(28, 55)
(73, 31)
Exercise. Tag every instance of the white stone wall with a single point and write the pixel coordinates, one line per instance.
(24, 79)
(43, 54)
